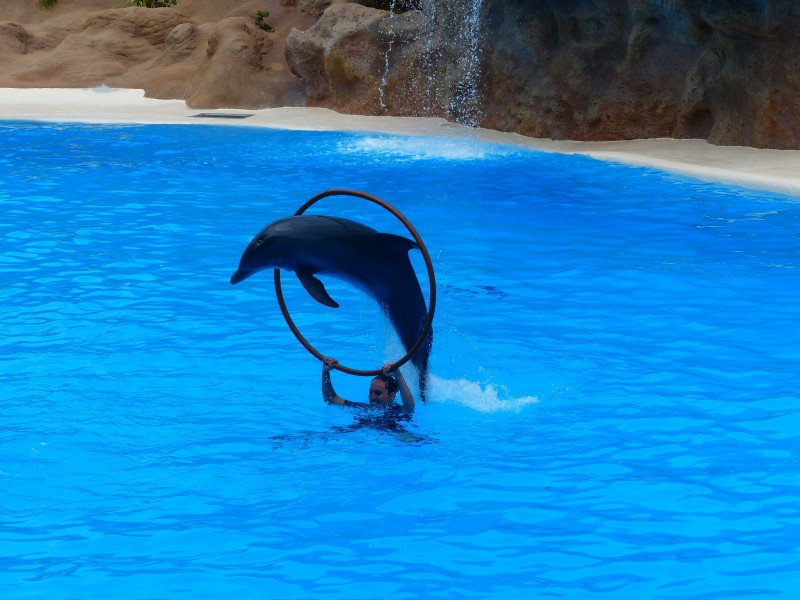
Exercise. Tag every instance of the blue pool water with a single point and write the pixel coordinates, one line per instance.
(614, 405)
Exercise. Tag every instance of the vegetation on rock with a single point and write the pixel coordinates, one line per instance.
(260, 16)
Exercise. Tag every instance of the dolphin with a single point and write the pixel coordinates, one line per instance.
(376, 263)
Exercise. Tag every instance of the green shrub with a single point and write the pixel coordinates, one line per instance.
(152, 3)
(47, 3)
(260, 16)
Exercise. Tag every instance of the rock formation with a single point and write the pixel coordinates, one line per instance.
(724, 70)
(210, 53)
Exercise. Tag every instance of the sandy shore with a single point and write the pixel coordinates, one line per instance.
(773, 170)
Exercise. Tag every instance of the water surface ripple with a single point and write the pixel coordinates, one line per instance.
(614, 408)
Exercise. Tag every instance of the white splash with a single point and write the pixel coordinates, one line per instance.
(481, 397)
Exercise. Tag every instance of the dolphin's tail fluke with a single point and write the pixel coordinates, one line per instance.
(420, 361)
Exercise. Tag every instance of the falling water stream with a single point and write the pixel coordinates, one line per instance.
(451, 58)
(465, 26)
(387, 54)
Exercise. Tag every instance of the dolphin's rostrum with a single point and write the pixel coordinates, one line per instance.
(377, 263)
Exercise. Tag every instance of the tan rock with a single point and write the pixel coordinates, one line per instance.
(210, 53)
(340, 58)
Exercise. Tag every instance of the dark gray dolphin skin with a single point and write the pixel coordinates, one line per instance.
(376, 263)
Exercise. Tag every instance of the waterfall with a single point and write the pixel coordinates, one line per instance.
(386, 57)
(464, 29)
(447, 71)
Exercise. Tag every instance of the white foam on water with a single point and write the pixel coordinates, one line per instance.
(422, 148)
(481, 397)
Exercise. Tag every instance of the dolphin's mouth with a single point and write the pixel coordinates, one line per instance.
(240, 275)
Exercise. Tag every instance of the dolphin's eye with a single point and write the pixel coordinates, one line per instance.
(259, 241)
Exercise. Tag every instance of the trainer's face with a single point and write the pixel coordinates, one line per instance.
(378, 393)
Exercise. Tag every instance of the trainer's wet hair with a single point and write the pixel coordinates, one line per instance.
(389, 381)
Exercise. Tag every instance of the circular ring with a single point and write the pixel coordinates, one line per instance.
(428, 264)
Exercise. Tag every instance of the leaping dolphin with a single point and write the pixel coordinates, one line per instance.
(376, 263)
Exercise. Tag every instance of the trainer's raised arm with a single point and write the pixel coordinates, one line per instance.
(405, 393)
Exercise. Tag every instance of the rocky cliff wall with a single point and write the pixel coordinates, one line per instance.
(724, 70)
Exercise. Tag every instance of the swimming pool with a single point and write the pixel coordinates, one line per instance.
(614, 405)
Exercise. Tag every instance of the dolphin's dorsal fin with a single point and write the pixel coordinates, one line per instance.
(391, 240)
(315, 287)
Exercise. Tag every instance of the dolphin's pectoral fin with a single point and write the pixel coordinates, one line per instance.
(317, 290)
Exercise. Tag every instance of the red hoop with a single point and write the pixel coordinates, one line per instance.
(428, 264)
